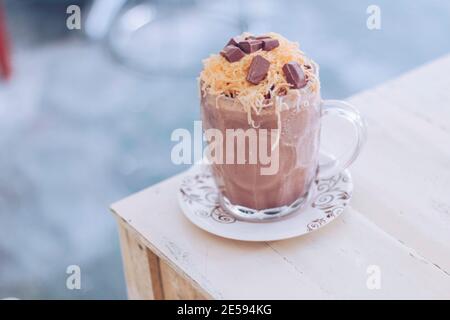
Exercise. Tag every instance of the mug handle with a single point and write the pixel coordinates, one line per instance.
(347, 111)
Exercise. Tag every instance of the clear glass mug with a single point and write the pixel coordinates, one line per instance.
(249, 193)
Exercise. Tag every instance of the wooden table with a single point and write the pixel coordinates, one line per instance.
(397, 228)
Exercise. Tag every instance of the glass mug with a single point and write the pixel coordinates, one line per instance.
(248, 193)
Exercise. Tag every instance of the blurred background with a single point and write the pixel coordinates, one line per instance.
(86, 115)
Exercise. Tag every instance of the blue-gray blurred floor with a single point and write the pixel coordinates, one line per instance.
(78, 131)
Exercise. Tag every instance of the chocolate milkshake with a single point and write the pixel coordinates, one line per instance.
(265, 84)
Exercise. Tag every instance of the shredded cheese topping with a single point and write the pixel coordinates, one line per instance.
(222, 78)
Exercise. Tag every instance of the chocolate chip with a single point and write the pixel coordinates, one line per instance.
(294, 75)
(262, 37)
(249, 46)
(282, 92)
(233, 41)
(258, 70)
(232, 53)
(270, 44)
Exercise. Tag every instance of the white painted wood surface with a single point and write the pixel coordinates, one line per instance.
(399, 218)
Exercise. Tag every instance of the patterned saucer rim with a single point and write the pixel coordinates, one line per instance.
(198, 197)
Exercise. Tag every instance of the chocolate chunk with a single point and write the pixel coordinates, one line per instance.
(294, 75)
(258, 70)
(233, 41)
(232, 53)
(262, 37)
(270, 44)
(249, 46)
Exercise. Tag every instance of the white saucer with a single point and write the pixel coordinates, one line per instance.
(198, 197)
